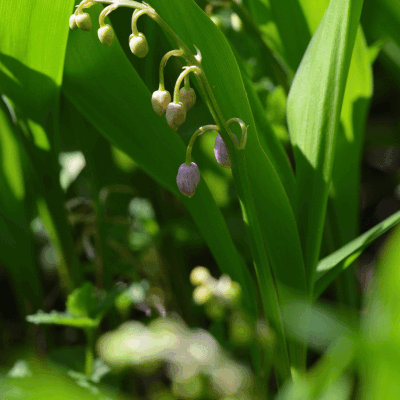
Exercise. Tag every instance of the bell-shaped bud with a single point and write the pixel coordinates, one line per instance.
(72, 22)
(202, 294)
(221, 152)
(106, 35)
(188, 179)
(160, 101)
(187, 97)
(176, 115)
(84, 22)
(199, 276)
(138, 45)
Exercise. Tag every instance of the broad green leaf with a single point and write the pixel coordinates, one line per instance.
(60, 318)
(15, 231)
(90, 84)
(119, 106)
(331, 266)
(33, 39)
(313, 110)
(381, 18)
(283, 26)
(274, 212)
(346, 174)
(381, 333)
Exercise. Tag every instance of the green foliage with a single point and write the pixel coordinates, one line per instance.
(89, 189)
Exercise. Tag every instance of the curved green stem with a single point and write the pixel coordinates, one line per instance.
(106, 11)
(181, 77)
(135, 17)
(199, 132)
(163, 63)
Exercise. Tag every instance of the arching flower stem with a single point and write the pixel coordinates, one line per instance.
(163, 63)
(187, 70)
(199, 132)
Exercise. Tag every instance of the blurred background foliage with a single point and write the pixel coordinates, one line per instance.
(117, 224)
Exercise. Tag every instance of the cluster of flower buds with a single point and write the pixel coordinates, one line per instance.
(223, 291)
(174, 107)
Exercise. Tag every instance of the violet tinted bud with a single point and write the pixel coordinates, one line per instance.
(160, 101)
(187, 97)
(221, 152)
(188, 179)
(176, 115)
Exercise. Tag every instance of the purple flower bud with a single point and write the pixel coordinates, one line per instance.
(221, 152)
(188, 179)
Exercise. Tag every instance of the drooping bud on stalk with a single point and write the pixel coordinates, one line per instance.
(160, 101)
(138, 45)
(72, 22)
(199, 276)
(187, 97)
(188, 179)
(84, 22)
(106, 35)
(221, 152)
(176, 115)
(202, 294)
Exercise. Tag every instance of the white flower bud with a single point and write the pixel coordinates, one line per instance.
(84, 22)
(72, 22)
(199, 275)
(176, 115)
(187, 97)
(160, 101)
(202, 294)
(106, 35)
(138, 45)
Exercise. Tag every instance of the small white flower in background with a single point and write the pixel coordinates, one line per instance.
(72, 163)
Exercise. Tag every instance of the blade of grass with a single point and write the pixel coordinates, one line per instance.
(331, 266)
(30, 76)
(15, 231)
(313, 108)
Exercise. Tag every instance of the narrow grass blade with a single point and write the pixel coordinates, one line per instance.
(314, 106)
(30, 75)
(331, 266)
(15, 231)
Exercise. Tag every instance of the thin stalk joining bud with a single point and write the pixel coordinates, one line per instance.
(135, 16)
(105, 12)
(199, 132)
(243, 127)
(82, 5)
(187, 70)
(163, 63)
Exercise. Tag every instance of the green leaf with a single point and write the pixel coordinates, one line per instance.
(129, 122)
(331, 266)
(118, 105)
(313, 110)
(60, 318)
(283, 26)
(343, 213)
(30, 76)
(82, 300)
(381, 333)
(15, 231)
